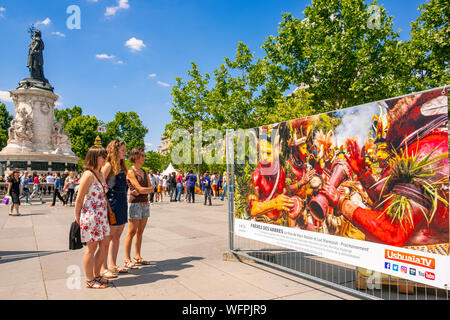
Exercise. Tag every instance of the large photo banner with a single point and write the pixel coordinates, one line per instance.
(366, 186)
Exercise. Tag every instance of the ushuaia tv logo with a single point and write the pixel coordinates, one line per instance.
(410, 258)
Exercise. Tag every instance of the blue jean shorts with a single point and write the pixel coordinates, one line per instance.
(137, 211)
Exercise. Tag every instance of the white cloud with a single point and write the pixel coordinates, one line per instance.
(135, 44)
(2, 9)
(104, 56)
(121, 5)
(5, 97)
(45, 22)
(120, 62)
(163, 84)
(57, 33)
(58, 104)
(152, 75)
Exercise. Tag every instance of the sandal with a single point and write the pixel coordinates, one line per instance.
(130, 265)
(93, 284)
(118, 270)
(109, 275)
(102, 280)
(141, 261)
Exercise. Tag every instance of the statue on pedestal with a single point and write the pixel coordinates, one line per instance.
(35, 63)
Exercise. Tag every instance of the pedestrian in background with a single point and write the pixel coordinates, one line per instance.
(25, 188)
(214, 182)
(207, 188)
(36, 188)
(91, 213)
(153, 184)
(138, 207)
(165, 184)
(57, 190)
(225, 185)
(69, 184)
(191, 180)
(63, 185)
(14, 191)
(179, 185)
(156, 186)
(173, 187)
(160, 187)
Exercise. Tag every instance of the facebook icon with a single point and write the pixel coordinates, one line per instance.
(387, 265)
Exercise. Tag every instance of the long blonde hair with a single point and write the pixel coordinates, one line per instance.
(117, 164)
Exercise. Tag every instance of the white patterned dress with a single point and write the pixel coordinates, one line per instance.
(94, 224)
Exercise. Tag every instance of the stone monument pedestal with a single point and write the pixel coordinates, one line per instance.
(36, 142)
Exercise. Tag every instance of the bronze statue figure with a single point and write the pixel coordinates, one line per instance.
(35, 63)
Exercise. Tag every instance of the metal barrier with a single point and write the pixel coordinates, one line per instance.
(362, 283)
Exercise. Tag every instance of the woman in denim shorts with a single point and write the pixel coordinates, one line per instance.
(138, 207)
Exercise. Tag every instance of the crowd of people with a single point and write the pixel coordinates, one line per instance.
(179, 186)
(176, 187)
(23, 184)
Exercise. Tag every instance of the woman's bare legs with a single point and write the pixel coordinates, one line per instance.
(89, 260)
(138, 241)
(114, 244)
(132, 230)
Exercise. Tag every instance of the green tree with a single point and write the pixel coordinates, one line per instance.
(337, 54)
(429, 47)
(82, 131)
(155, 161)
(126, 126)
(5, 123)
(67, 114)
(189, 101)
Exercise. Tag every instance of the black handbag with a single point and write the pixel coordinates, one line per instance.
(75, 237)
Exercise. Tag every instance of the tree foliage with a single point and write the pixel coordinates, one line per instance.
(5, 122)
(83, 129)
(126, 126)
(429, 48)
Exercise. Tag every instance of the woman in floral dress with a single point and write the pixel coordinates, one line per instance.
(91, 213)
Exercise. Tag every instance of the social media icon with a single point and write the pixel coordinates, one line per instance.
(395, 267)
(387, 265)
(412, 271)
(429, 275)
(404, 269)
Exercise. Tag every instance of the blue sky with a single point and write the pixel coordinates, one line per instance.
(128, 53)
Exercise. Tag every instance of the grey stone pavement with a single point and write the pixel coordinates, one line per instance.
(185, 243)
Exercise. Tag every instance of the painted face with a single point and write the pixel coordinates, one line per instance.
(303, 150)
(266, 152)
(381, 153)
